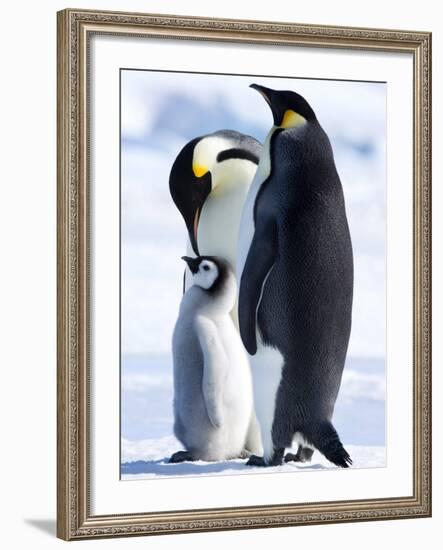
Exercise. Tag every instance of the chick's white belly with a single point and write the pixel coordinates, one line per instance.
(203, 440)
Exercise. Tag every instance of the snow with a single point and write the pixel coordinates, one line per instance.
(148, 459)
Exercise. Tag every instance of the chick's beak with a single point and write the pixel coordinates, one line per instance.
(193, 263)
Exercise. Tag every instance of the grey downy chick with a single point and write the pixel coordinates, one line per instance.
(213, 397)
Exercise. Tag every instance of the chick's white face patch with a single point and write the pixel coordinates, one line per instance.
(206, 275)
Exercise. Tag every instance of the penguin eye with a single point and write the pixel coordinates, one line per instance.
(206, 267)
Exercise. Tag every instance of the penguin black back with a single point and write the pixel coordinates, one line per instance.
(313, 264)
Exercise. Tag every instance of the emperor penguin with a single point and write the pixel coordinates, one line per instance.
(295, 267)
(209, 181)
(213, 401)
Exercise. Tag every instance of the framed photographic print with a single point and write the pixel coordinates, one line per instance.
(244, 294)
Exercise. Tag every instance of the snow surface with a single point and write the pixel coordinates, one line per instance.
(148, 459)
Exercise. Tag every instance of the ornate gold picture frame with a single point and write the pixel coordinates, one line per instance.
(75, 518)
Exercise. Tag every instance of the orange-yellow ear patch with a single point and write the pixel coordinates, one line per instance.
(291, 119)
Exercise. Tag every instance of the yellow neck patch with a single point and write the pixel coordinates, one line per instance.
(291, 119)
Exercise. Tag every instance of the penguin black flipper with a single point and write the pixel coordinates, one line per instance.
(258, 265)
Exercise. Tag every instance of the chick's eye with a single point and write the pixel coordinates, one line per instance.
(206, 267)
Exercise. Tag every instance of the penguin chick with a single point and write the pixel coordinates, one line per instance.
(213, 403)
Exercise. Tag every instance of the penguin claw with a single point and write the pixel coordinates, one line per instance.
(180, 456)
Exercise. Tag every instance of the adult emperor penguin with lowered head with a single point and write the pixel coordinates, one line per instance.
(212, 379)
(295, 268)
(209, 181)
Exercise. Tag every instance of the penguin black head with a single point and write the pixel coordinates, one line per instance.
(188, 191)
(201, 165)
(207, 271)
(289, 109)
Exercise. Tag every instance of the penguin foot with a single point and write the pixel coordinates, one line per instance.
(181, 456)
(276, 460)
(291, 457)
(304, 454)
(255, 460)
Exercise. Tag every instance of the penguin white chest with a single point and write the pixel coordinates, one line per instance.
(246, 233)
(267, 363)
(219, 223)
(266, 368)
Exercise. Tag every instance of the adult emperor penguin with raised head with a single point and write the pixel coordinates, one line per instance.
(212, 379)
(209, 181)
(295, 268)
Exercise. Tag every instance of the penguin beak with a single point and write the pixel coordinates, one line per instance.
(265, 92)
(191, 210)
(193, 235)
(193, 263)
(272, 99)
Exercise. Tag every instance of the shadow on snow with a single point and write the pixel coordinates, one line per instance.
(163, 468)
